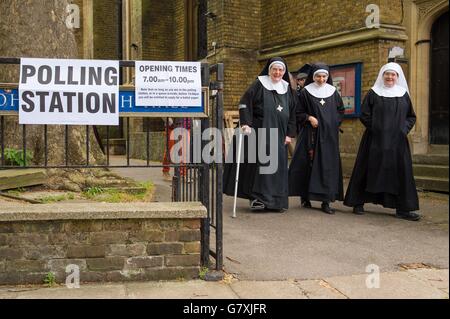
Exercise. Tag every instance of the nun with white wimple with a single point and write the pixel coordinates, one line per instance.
(267, 104)
(383, 171)
(315, 173)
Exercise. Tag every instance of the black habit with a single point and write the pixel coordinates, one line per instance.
(383, 169)
(315, 172)
(261, 108)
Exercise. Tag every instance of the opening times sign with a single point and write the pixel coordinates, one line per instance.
(166, 83)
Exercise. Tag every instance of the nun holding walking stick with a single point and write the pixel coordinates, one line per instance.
(267, 118)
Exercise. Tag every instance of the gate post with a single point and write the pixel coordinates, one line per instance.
(204, 197)
(219, 169)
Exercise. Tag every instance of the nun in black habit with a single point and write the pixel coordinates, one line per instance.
(315, 171)
(383, 171)
(268, 103)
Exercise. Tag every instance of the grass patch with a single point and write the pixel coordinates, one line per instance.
(16, 191)
(202, 273)
(54, 198)
(118, 195)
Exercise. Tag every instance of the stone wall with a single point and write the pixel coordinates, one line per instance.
(156, 241)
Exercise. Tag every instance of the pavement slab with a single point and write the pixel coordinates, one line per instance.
(438, 278)
(193, 289)
(267, 290)
(428, 284)
(392, 285)
(319, 289)
(87, 291)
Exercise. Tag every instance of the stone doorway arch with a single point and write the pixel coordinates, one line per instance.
(439, 82)
(425, 13)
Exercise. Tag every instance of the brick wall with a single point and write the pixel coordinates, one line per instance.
(106, 28)
(242, 28)
(284, 21)
(158, 36)
(104, 250)
(179, 22)
(237, 32)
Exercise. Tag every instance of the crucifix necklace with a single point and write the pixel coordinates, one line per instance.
(279, 108)
(322, 102)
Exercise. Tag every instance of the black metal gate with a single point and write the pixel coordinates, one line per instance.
(202, 181)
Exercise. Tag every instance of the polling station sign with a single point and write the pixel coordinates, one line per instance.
(167, 84)
(77, 92)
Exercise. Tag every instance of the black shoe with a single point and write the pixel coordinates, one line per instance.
(408, 215)
(327, 209)
(276, 210)
(306, 203)
(257, 205)
(358, 210)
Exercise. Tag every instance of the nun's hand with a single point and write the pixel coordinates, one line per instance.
(288, 140)
(313, 121)
(246, 129)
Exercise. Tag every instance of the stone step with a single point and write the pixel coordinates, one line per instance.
(431, 159)
(15, 178)
(440, 171)
(117, 146)
(438, 149)
(432, 183)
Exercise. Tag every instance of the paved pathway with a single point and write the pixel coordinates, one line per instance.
(425, 283)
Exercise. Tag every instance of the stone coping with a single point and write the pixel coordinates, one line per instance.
(348, 37)
(83, 211)
(11, 172)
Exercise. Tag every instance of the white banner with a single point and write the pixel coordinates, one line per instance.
(61, 91)
(164, 83)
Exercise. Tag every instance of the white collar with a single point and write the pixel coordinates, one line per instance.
(320, 92)
(395, 91)
(281, 87)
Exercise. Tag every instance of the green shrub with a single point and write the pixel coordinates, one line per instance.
(50, 279)
(15, 157)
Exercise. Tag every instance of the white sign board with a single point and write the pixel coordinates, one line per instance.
(78, 92)
(164, 83)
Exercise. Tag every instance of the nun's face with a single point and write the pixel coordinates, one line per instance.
(390, 78)
(321, 78)
(276, 73)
